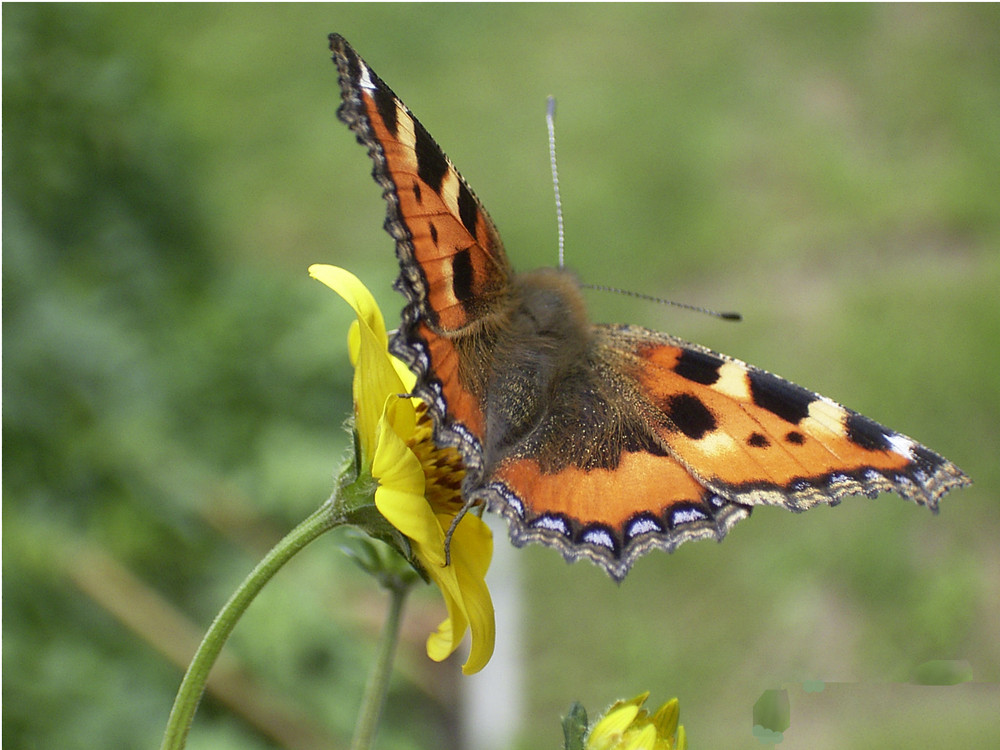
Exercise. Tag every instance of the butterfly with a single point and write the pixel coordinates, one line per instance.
(603, 441)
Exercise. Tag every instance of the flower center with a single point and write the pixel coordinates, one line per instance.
(443, 467)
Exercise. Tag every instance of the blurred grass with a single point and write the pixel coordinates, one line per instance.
(174, 384)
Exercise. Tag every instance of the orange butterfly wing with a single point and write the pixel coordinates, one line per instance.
(454, 268)
(757, 438)
(602, 441)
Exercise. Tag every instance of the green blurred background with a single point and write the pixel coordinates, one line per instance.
(174, 385)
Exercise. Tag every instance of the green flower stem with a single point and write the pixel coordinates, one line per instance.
(378, 680)
(192, 686)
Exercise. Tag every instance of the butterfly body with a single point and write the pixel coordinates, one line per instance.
(604, 441)
(523, 357)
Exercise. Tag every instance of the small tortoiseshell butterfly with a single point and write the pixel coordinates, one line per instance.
(603, 441)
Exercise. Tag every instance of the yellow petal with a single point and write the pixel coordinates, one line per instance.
(406, 376)
(666, 718)
(466, 595)
(643, 739)
(375, 376)
(400, 494)
(472, 545)
(408, 379)
(471, 553)
(480, 615)
(375, 381)
(443, 642)
(449, 634)
(356, 294)
(354, 342)
(400, 413)
(608, 729)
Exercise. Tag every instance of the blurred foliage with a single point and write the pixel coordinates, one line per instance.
(146, 375)
(174, 385)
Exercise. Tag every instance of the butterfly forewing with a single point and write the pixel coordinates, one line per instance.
(455, 268)
(757, 439)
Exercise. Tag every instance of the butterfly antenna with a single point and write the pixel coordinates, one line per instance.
(660, 300)
(550, 121)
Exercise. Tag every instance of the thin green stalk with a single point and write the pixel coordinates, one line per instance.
(378, 680)
(193, 685)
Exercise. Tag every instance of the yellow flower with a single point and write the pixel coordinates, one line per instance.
(418, 485)
(628, 726)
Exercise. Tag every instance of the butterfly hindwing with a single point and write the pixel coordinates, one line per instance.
(609, 515)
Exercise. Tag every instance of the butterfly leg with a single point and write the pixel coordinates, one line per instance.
(469, 505)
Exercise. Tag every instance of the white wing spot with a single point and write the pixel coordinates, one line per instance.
(714, 443)
(512, 500)
(449, 191)
(687, 516)
(825, 416)
(643, 526)
(733, 381)
(552, 524)
(406, 134)
(365, 81)
(900, 444)
(599, 537)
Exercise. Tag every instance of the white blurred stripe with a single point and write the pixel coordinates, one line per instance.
(492, 707)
